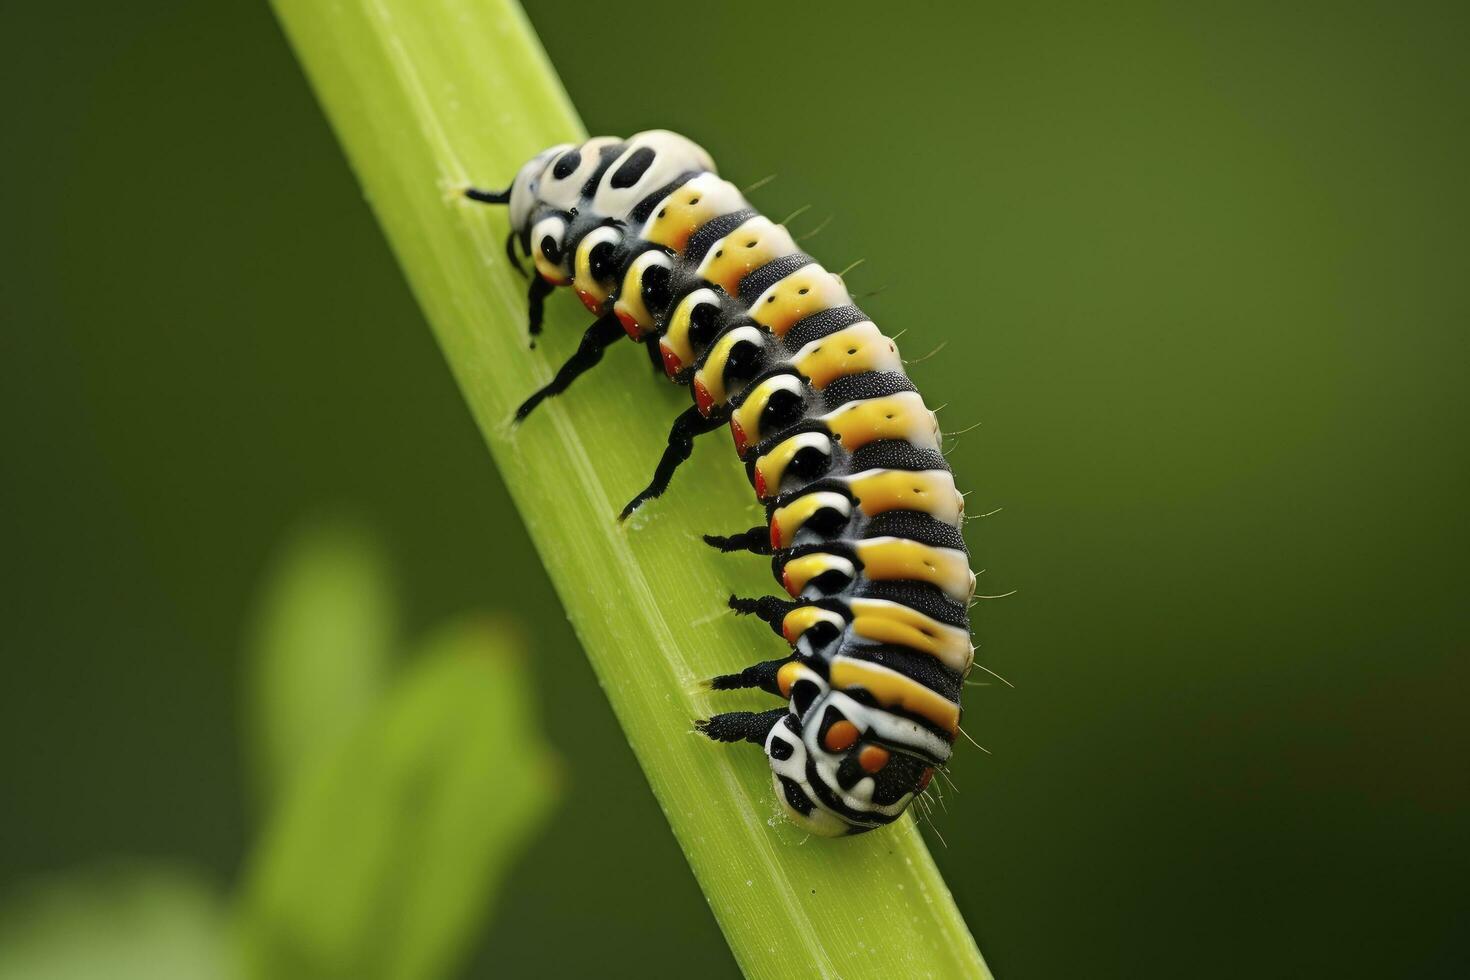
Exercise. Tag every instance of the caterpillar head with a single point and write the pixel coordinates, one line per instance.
(841, 766)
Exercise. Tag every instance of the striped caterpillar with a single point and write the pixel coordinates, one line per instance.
(863, 515)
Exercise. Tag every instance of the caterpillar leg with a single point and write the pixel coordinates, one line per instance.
(761, 675)
(757, 541)
(514, 255)
(488, 197)
(736, 726)
(539, 288)
(499, 197)
(536, 295)
(604, 331)
(681, 444)
(768, 609)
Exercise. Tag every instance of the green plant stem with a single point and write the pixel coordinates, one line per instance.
(428, 96)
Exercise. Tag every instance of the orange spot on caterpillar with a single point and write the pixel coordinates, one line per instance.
(873, 758)
(592, 303)
(927, 775)
(760, 483)
(841, 736)
(775, 533)
(738, 432)
(702, 397)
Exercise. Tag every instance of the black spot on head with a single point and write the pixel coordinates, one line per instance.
(633, 168)
(781, 750)
(551, 250)
(605, 157)
(567, 165)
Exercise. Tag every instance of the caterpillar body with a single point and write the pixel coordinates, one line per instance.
(864, 517)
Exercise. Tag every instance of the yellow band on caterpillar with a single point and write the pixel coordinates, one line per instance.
(883, 621)
(887, 559)
(930, 491)
(689, 208)
(799, 571)
(744, 250)
(893, 690)
(788, 675)
(858, 349)
(900, 416)
(808, 290)
(799, 620)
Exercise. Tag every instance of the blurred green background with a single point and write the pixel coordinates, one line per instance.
(1202, 275)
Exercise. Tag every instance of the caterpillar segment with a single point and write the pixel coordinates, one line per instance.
(862, 513)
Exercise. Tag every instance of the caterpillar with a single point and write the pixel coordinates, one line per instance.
(863, 516)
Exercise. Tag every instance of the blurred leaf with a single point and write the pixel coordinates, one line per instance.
(320, 651)
(119, 923)
(383, 861)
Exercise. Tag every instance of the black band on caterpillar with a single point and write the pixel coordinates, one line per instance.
(863, 516)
